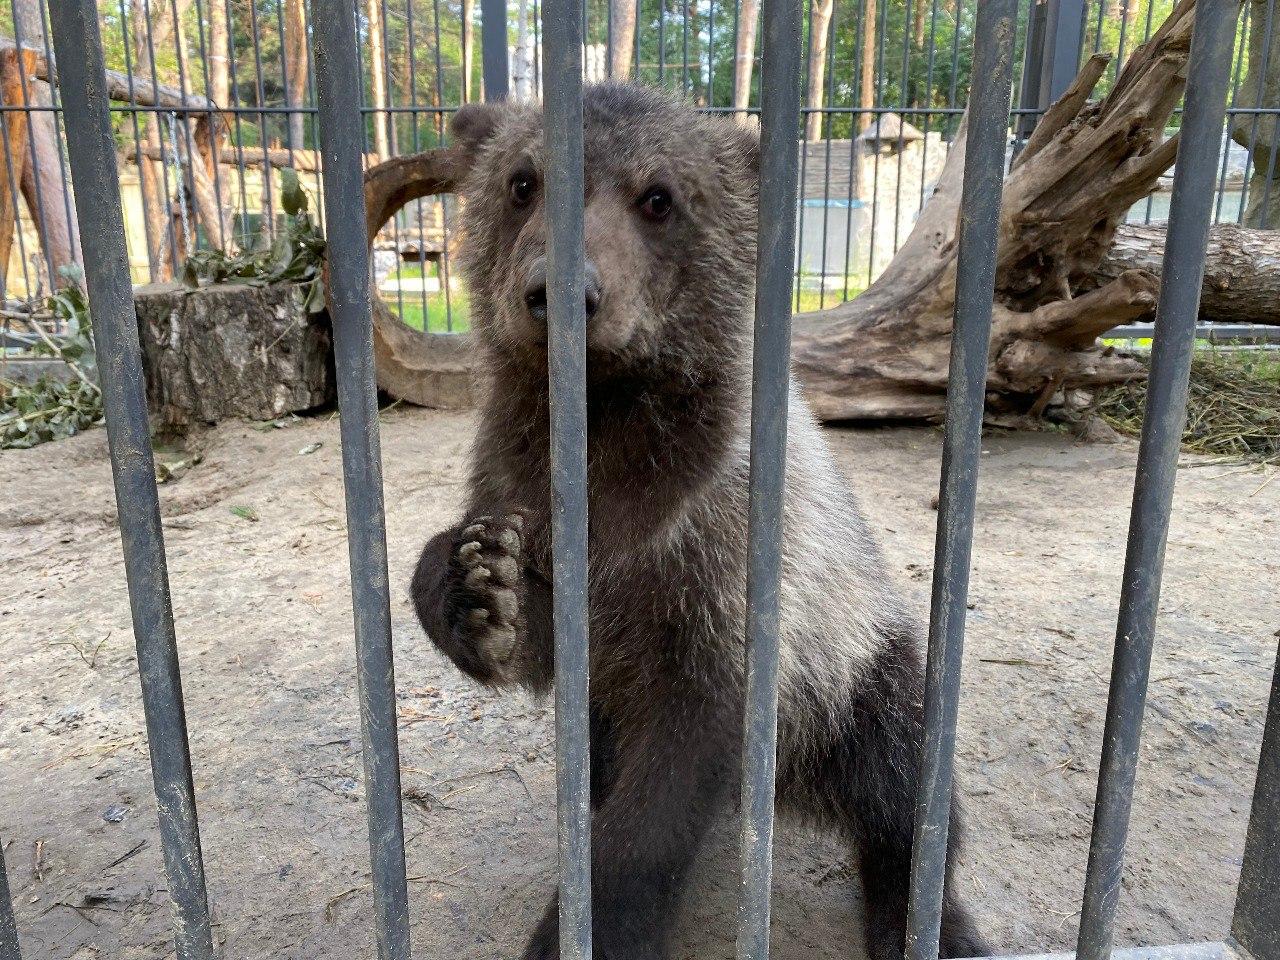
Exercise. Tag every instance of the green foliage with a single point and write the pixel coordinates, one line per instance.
(296, 254)
(51, 408)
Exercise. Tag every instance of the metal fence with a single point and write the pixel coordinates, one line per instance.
(94, 162)
(213, 99)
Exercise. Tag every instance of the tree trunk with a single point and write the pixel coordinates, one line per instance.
(378, 79)
(819, 34)
(295, 58)
(622, 37)
(1241, 273)
(522, 59)
(745, 55)
(867, 100)
(468, 44)
(44, 184)
(218, 54)
(17, 156)
(151, 173)
(248, 352)
(1257, 132)
(884, 354)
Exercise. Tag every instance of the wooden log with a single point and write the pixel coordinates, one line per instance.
(1241, 275)
(427, 369)
(231, 351)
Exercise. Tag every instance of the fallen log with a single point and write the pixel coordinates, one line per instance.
(1241, 276)
(884, 354)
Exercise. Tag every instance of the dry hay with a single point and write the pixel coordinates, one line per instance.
(1233, 408)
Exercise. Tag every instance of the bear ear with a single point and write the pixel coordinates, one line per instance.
(474, 124)
(744, 146)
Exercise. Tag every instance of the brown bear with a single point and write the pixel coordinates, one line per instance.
(670, 247)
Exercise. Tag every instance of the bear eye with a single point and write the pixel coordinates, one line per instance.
(523, 187)
(656, 204)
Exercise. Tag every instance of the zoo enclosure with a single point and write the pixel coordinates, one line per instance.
(214, 99)
(93, 163)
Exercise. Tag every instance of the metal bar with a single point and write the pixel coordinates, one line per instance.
(966, 388)
(567, 355)
(493, 44)
(97, 188)
(1029, 98)
(1190, 210)
(9, 948)
(341, 133)
(780, 73)
(1063, 37)
(1257, 915)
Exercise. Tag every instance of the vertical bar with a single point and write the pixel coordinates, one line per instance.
(9, 949)
(1063, 37)
(1032, 68)
(780, 74)
(1257, 916)
(567, 350)
(341, 133)
(1190, 210)
(94, 176)
(493, 49)
(966, 388)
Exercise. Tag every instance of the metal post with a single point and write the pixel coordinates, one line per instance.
(9, 949)
(567, 356)
(493, 49)
(1032, 66)
(1063, 39)
(341, 134)
(94, 176)
(1257, 917)
(780, 77)
(1189, 214)
(966, 390)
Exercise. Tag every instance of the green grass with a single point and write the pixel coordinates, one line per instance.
(411, 309)
(439, 320)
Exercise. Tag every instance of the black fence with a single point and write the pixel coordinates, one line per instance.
(212, 100)
(93, 161)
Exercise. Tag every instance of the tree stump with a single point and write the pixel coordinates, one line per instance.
(231, 351)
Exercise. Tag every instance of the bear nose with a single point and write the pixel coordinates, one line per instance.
(535, 292)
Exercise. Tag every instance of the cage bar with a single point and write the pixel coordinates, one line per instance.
(9, 949)
(1190, 211)
(1257, 915)
(341, 132)
(493, 49)
(567, 358)
(967, 379)
(780, 79)
(78, 44)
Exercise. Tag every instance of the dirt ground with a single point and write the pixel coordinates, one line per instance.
(258, 565)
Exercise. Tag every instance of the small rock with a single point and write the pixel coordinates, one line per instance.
(115, 813)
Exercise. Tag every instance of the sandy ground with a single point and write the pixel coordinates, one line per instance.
(264, 627)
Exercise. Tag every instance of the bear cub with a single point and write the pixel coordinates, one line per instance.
(670, 247)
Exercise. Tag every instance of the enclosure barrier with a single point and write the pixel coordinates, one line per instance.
(1256, 926)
